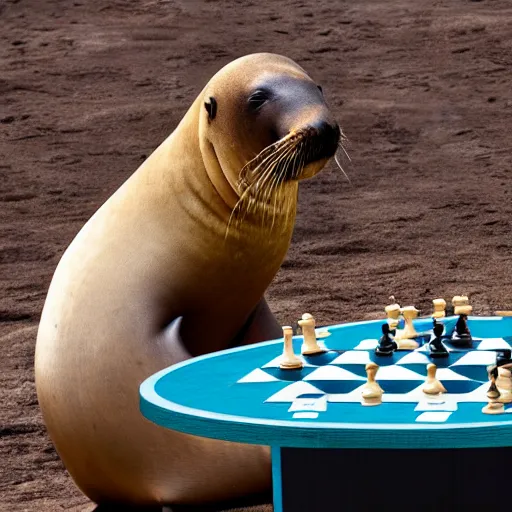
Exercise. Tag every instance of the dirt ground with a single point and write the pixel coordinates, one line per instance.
(89, 88)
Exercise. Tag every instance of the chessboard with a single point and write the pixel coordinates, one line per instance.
(338, 374)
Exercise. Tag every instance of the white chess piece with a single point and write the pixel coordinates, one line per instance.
(289, 360)
(494, 406)
(371, 393)
(405, 337)
(461, 305)
(504, 385)
(432, 385)
(393, 314)
(310, 345)
(439, 308)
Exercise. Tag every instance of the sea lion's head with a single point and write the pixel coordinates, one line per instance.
(264, 123)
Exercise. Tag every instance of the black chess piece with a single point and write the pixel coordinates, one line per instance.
(503, 357)
(461, 336)
(387, 345)
(436, 347)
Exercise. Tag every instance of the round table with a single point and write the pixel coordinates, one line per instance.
(329, 452)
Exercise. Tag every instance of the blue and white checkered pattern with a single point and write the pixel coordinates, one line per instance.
(338, 376)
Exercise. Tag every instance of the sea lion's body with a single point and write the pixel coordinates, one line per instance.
(150, 280)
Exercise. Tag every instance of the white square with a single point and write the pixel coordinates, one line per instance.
(309, 404)
(414, 358)
(434, 417)
(477, 358)
(367, 345)
(353, 357)
(329, 372)
(493, 344)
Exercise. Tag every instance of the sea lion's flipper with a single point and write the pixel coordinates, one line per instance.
(260, 326)
(170, 339)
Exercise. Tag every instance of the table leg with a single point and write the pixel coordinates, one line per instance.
(358, 480)
(276, 479)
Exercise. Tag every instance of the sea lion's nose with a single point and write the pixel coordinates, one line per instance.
(327, 130)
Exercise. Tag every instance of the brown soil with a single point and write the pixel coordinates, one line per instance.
(89, 88)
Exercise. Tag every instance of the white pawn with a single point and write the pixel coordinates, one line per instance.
(371, 392)
(432, 385)
(310, 345)
(289, 360)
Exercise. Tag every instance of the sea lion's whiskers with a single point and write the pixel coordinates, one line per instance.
(274, 183)
(288, 199)
(344, 151)
(270, 184)
(264, 160)
(341, 168)
(277, 179)
(270, 180)
(281, 155)
(262, 190)
(268, 153)
(283, 166)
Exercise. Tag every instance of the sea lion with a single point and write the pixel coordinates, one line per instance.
(175, 264)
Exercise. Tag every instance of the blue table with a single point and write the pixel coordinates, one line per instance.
(409, 453)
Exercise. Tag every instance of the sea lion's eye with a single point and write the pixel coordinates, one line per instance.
(320, 89)
(257, 99)
(211, 108)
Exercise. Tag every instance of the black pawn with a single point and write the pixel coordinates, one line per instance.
(461, 335)
(437, 349)
(386, 344)
(461, 327)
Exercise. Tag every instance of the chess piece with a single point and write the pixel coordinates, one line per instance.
(371, 392)
(310, 345)
(436, 347)
(504, 384)
(461, 335)
(432, 385)
(386, 344)
(439, 308)
(289, 360)
(503, 357)
(405, 337)
(393, 314)
(459, 301)
(492, 392)
(494, 406)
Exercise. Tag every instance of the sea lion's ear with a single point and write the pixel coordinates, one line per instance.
(211, 108)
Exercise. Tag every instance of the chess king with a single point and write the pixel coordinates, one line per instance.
(175, 264)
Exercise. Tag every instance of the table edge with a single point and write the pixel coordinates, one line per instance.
(287, 433)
